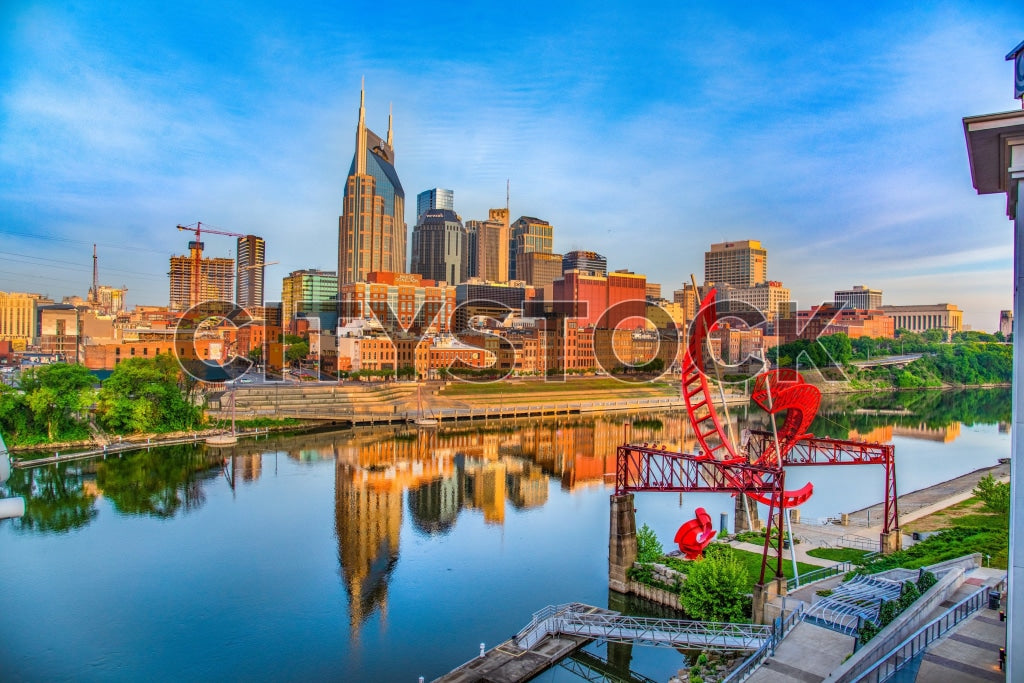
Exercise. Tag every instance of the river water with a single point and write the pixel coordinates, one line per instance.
(380, 555)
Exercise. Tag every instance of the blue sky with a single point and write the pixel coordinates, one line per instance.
(830, 132)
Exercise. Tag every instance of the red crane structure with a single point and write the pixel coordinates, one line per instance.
(759, 470)
(195, 248)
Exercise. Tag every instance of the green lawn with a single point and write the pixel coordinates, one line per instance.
(839, 554)
(752, 563)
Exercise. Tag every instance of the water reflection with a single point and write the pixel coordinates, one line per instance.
(452, 469)
(157, 483)
(427, 526)
(57, 499)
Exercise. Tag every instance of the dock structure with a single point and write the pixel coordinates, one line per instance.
(558, 631)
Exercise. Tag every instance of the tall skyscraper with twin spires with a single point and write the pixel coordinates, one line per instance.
(371, 229)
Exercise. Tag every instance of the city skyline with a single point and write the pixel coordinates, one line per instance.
(836, 132)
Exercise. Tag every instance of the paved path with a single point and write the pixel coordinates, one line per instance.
(970, 652)
(809, 653)
(922, 502)
(866, 523)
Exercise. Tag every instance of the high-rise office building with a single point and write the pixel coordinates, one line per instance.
(249, 283)
(371, 229)
(310, 293)
(585, 261)
(470, 257)
(599, 301)
(740, 264)
(538, 269)
(859, 298)
(434, 199)
(492, 246)
(216, 281)
(528, 234)
(438, 247)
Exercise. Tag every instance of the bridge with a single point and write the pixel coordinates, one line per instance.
(558, 631)
(577, 619)
(898, 361)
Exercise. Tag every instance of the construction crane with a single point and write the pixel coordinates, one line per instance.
(195, 248)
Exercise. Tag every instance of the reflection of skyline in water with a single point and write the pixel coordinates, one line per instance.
(422, 519)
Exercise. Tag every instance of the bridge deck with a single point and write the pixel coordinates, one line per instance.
(559, 630)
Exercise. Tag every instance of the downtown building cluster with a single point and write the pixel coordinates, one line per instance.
(484, 293)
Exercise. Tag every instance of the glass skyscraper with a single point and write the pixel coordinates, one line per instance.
(371, 229)
(436, 198)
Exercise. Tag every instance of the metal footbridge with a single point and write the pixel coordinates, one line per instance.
(577, 619)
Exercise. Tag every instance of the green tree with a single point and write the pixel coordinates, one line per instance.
(648, 547)
(297, 352)
(54, 393)
(994, 494)
(143, 395)
(15, 418)
(716, 588)
(837, 347)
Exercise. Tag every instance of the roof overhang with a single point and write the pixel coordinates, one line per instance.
(995, 148)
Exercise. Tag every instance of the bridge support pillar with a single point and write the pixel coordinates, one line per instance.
(763, 594)
(745, 511)
(621, 541)
(891, 542)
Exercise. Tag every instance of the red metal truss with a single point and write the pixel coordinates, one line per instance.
(812, 450)
(643, 468)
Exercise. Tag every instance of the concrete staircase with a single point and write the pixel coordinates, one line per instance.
(283, 399)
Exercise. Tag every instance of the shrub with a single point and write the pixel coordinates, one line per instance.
(648, 547)
(887, 611)
(908, 594)
(642, 574)
(715, 589)
(925, 581)
(867, 631)
(994, 494)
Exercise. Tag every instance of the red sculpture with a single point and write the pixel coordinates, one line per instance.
(785, 390)
(694, 536)
(775, 391)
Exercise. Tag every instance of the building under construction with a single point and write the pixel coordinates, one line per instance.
(216, 281)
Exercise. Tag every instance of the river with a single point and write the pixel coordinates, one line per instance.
(379, 555)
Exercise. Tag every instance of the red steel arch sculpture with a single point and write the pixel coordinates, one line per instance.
(759, 471)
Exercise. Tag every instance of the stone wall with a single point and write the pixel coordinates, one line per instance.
(662, 574)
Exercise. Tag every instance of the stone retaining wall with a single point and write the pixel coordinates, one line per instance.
(663, 597)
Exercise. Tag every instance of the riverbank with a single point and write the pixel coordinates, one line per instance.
(119, 444)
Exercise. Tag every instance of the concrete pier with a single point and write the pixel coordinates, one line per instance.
(621, 541)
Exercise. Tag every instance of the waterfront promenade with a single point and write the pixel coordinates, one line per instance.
(863, 527)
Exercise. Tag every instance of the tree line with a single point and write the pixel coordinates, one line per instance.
(970, 358)
(54, 403)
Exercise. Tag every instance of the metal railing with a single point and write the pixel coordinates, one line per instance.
(904, 653)
(819, 574)
(590, 622)
(781, 628)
